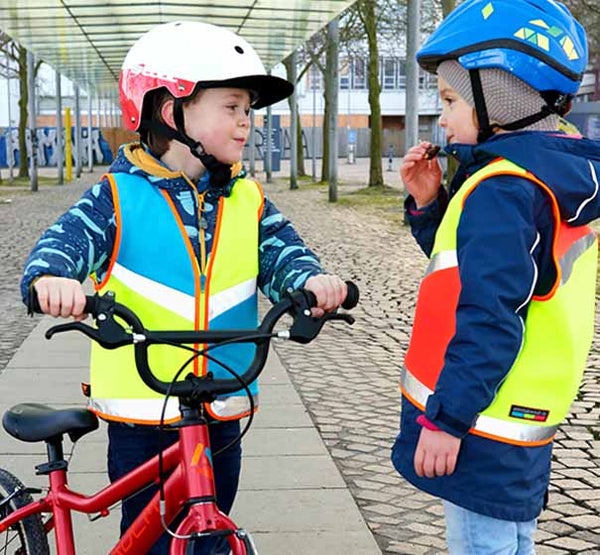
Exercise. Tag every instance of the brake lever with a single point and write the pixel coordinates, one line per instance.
(109, 334)
(306, 327)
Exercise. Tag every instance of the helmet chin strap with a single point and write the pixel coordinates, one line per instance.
(220, 173)
(555, 104)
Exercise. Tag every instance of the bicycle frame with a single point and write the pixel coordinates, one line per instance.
(191, 483)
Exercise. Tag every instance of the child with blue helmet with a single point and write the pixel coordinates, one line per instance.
(505, 313)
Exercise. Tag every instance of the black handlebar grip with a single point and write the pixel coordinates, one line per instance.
(352, 297)
(33, 303)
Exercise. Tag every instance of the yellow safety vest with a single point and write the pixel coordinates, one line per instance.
(543, 381)
(155, 272)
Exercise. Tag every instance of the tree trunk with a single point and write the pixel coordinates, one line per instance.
(23, 100)
(325, 160)
(376, 150)
(301, 172)
(288, 71)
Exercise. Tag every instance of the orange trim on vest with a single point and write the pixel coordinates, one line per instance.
(511, 441)
(113, 418)
(117, 244)
(557, 223)
(191, 254)
(211, 263)
(480, 433)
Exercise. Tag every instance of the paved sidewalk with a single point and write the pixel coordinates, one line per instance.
(292, 497)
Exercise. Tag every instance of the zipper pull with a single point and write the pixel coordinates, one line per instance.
(203, 223)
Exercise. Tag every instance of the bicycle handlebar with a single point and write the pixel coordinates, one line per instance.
(111, 335)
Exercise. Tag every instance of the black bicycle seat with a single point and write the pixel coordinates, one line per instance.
(34, 422)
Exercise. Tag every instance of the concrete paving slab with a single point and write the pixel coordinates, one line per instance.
(291, 492)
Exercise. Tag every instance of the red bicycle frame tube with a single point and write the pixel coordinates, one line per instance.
(192, 480)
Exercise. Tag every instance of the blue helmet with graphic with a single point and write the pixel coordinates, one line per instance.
(538, 41)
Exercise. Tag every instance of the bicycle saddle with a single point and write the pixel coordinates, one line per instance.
(35, 422)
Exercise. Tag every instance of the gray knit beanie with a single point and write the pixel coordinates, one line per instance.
(507, 98)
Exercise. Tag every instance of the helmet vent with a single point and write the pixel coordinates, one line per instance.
(239, 49)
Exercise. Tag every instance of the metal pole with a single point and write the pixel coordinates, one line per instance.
(78, 160)
(10, 151)
(252, 145)
(332, 62)
(294, 126)
(59, 130)
(268, 153)
(32, 121)
(314, 130)
(412, 75)
(89, 137)
(68, 145)
(98, 110)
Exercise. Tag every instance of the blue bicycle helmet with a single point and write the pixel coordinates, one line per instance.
(538, 41)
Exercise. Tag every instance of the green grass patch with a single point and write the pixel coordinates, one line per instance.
(386, 201)
(26, 181)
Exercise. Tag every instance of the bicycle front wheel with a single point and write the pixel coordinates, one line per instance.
(28, 536)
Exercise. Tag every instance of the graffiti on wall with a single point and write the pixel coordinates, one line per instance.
(45, 146)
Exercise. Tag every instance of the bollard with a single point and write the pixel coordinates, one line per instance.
(351, 155)
(390, 157)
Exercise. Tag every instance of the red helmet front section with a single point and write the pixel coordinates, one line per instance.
(136, 82)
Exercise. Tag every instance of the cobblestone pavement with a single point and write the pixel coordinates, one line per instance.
(23, 217)
(348, 378)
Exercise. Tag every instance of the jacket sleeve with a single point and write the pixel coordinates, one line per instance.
(504, 247)
(285, 262)
(425, 221)
(79, 243)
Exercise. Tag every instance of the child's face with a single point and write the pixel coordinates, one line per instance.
(219, 119)
(458, 117)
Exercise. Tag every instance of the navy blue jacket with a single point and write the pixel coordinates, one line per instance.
(504, 248)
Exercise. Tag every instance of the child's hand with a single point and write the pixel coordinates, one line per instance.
(421, 177)
(61, 297)
(330, 291)
(436, 453)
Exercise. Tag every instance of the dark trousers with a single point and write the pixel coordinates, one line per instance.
(129, 446)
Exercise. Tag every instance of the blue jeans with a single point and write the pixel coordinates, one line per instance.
(129, 446)
(469, 533)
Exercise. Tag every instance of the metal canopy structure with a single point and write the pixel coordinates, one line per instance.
(86, 40)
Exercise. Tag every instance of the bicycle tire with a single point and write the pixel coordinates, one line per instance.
(28, 536)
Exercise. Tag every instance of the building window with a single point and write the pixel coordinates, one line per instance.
(359, 74)
(345, 74)
(401, 74)
(389, 74)
(315, 78)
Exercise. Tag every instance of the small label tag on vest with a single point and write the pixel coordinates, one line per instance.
(526, 413)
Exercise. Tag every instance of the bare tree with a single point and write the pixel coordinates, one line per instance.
(17, 54)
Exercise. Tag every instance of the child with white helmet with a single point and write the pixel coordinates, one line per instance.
(181, 235)
(505, 314)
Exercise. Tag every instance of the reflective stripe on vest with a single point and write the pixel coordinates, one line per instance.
(537, 392)
(155, 272)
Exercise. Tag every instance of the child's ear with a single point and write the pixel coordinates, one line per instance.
(166, 113)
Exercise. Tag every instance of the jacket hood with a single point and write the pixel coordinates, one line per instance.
(135, 158)
(569, 165)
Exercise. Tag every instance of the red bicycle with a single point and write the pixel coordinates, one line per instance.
(189, 489)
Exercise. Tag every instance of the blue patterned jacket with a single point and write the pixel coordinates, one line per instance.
(81, 241)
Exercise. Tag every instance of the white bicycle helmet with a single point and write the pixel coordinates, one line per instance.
(181, 56)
